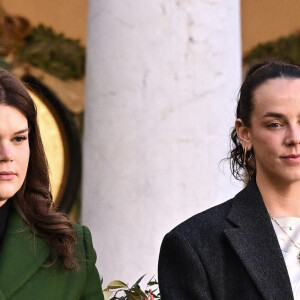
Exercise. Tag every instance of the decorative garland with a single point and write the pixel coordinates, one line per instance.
(53, 53)
(285, 48)
(41, 47)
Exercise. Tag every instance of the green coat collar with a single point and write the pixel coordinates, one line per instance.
(21, 255)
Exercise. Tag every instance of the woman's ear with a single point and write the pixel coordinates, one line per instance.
(243, 133)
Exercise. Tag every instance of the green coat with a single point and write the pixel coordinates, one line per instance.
(23, 276)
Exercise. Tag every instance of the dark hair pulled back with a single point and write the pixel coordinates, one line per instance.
(256, 76)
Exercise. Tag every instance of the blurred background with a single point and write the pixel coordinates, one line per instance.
(135, 102)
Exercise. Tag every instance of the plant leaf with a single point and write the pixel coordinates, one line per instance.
(132, 296)
(106, 294)
(152, 291)
(152, 282)
(138, 291)
(116, 284)
(139, 280)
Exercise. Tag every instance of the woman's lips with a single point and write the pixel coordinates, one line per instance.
(7, 175)
(292, 158)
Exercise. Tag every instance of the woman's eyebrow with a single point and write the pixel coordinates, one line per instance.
(273, 114)
(21, 131)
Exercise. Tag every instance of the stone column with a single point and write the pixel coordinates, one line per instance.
(161, 85)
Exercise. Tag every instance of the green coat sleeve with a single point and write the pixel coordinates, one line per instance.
(92, 288)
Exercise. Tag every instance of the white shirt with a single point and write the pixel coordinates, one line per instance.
(291, 225)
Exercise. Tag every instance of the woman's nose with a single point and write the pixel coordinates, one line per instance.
(5, 152)
(293, 136)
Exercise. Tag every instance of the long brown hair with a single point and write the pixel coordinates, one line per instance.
(33, 201)
(256, 76)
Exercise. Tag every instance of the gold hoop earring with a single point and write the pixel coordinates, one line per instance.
(246, 160)
(245, 154)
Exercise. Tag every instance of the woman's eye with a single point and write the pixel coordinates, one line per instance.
(274, 125)
(19, 139)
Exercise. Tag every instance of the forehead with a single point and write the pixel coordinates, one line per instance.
(277, 94)
(11, 117)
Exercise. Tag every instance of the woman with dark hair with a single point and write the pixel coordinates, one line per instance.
(43, 255)
(249, 246)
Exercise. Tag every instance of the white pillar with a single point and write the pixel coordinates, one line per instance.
(161, 85)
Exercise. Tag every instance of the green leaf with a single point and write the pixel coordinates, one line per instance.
(152, 291)
(132, 296)
(137, 283)
(116, 284)
(138, 291)
(150, 283)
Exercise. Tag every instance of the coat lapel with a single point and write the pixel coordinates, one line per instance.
(255, 242)
(22, 254)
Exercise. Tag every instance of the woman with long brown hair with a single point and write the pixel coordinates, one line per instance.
(43, 255)
(248, 247)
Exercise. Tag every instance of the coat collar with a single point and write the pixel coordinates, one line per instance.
(21, 255)
(255, 242)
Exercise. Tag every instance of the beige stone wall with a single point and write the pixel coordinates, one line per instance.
(69, 17)
(265, 20)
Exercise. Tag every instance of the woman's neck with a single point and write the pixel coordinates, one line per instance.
(280, 198)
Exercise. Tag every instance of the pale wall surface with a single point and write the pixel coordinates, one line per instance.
(161, 83)
(69, 17)
(267, 20)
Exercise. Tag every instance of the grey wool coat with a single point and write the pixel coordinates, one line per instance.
(227, 252)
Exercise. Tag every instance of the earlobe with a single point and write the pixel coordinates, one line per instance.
(243, 133)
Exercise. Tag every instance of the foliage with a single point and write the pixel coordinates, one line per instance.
(132, 293)
(54, 53)
(4, 64)
(284, 48)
